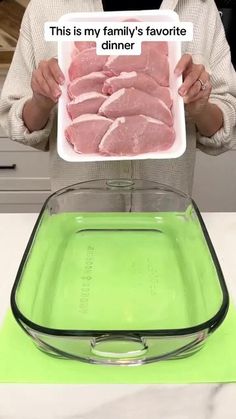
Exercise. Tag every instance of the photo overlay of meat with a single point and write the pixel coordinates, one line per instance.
(120, 105)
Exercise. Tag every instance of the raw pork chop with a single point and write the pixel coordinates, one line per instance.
(86, 103)
(92, 82)
(140, 81)
(81, 45)
(86, 62)
(137, 134)
(160, 46)
(150, 62)
(131, 101)
(86, 132)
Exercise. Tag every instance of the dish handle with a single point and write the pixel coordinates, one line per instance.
(108, 346)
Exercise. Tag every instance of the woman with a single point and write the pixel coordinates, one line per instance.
(32, 89)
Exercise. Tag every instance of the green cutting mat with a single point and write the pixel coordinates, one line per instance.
(22, 362)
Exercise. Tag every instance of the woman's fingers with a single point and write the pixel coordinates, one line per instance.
(191, 79)
(40, 86)
(196, 92)
(191, 89)
(196, 86)
(47, 78)
(53, 85)
(184, 63)
(192, 99)
(56, 71)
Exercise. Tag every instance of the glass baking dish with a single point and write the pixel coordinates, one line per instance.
(119, 272)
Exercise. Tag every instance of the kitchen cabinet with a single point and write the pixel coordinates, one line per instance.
(24, 177)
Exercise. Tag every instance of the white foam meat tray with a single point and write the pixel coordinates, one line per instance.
(64, 149)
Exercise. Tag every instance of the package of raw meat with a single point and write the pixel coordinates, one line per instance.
(120, 107)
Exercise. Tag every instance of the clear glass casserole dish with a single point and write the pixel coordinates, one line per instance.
(119, 272)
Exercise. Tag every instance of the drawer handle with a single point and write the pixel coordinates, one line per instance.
(8, 166)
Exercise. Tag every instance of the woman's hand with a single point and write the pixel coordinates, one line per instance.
(196, 87)
(196, 90)
(45, 83)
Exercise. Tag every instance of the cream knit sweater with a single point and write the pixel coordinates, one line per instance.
(208, 47)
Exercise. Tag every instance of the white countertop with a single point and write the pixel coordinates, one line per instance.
(114, 401)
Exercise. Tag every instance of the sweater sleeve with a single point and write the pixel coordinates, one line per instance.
(16, 91)
(223, 79)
